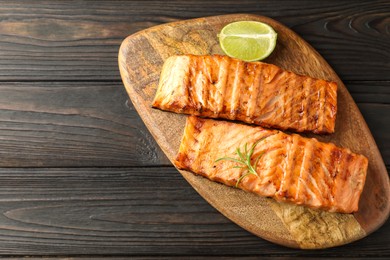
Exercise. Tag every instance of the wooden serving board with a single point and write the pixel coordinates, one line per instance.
(141, 57)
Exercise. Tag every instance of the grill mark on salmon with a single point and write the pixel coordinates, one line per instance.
(253, 92)
(292, 168)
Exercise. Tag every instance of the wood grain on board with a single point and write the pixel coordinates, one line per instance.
(140, 59)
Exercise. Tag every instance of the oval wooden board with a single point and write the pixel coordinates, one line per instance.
(141, 57)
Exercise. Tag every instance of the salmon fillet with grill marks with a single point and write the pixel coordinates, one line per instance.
(291, 168)
(253, 92)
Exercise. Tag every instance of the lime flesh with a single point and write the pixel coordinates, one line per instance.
(248, 40)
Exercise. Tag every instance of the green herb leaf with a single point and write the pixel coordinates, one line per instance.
(257, 159)
(242, 177)
(245, 160)
(228, 159)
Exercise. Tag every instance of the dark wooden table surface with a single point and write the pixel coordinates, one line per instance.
(80, 175)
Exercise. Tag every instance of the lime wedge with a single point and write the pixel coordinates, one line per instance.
(248, 40)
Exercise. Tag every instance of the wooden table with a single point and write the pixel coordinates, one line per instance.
(80, 174)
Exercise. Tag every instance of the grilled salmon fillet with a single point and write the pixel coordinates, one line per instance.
(290, 168)
(253, 92)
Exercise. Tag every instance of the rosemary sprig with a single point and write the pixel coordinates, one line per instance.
(245, 160)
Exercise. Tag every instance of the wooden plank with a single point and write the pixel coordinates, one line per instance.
(377, 117)
(111, 211)
(81, 124)
(74, 125)
(369, 91)
(78, 40)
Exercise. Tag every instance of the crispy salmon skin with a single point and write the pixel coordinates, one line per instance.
(258, 93)
(290, 168)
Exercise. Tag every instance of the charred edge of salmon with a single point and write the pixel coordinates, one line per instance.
(222, 87)
(165, 73)
(193, 126)
(345, 172)
(330, 127)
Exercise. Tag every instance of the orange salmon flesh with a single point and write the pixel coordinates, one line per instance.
(253, 92)
(290, 168)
